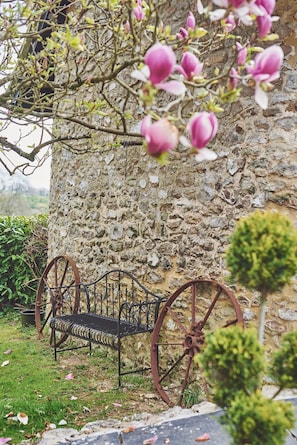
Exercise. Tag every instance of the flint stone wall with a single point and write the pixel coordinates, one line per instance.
(169, 224)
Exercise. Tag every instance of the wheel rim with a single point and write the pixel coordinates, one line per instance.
(198, 307)
(58, 288)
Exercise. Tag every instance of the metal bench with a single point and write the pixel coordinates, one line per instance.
(103, 312)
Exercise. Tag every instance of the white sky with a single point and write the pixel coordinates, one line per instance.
(41, 177)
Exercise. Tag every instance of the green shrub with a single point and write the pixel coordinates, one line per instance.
(23, 250)
(263, 252)
(233, 362)
(283, 367)
(254, 419)
(263, 255)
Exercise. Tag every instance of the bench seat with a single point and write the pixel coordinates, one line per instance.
(96, 328)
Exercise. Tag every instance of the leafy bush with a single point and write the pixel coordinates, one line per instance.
(23, 250)
(283, 368)
(263, 251)
(254, 419)
(233, 362)
(263, 255)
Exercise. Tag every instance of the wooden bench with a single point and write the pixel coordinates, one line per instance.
(114, 306)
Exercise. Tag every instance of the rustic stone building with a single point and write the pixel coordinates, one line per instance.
(168, 224)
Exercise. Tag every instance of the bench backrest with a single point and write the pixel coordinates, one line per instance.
(117, 294)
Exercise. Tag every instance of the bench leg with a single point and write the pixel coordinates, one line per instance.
(55, 344)
(119, 363)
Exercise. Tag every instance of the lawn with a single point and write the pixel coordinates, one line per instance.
(73, 391)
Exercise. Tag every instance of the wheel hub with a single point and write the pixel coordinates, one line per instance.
(194, 340)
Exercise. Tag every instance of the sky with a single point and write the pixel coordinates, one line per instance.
(24, 137)
(41, 177)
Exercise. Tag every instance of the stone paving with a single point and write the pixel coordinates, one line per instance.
(175, 426)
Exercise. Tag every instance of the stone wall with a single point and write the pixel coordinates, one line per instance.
(168, 224)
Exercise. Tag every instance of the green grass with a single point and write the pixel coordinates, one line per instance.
(35, 384)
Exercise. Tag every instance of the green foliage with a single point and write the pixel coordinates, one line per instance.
(283, 366)
(23, 250)
(254, 419)
(233, 362)
(263, 252)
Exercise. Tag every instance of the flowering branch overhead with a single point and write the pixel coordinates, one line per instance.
(91, 65)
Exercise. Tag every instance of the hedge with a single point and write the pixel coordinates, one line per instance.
(23, 256)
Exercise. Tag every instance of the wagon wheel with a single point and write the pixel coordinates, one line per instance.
(198, 307)
(58, 292)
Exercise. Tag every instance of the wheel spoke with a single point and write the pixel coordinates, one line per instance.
(64, 274)
(177, 320)
(218, 293)
(169, 371)
(185, 382)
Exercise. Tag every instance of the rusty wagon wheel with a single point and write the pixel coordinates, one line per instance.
(198, 307)
(58, 292)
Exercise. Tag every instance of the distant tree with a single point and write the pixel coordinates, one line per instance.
(12, 204)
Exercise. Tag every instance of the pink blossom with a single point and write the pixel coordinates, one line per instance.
(159, 64)
(4, 440)
(190, 66)
(264, 24)
(138, 13)
(230, 23)
(237, 3)
(160, 60)
(268, 5)
(160, 136)
(266, 67)
(202, 127)
(191, 22)
(183, 34)
(127, 27)
(242, 53)
(233, 80)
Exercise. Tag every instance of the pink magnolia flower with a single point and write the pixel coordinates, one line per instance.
(202, 127)
(242, 53)
(190, 66)
(160, 136)
(268, 5)
(183, 34)
(243, 10)
(138, 13)
(4, 440)
(265, 69)
(127, 27)
(233, 80)
(264, 24)
(160, 60)
(191, 22)
(230, 22)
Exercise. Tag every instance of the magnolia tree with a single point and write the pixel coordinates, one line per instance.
(54, 53)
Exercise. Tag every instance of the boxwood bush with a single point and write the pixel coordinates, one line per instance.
(23, 256)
